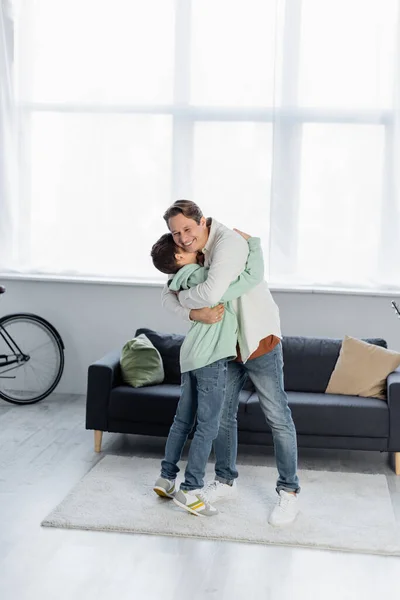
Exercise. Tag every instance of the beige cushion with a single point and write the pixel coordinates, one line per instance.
(362, 369)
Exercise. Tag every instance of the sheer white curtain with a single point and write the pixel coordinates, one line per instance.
(8, 139)
(279, 117)
(335, 212)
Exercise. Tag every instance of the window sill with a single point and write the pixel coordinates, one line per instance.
(80, 279)
(136, 282)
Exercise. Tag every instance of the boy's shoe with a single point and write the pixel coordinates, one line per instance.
(194, 502)
(215, 491)
(165, 487)
(285, 511)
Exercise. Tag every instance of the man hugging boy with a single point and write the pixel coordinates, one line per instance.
(204, 356)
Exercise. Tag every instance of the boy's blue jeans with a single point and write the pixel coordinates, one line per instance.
(202, 396)
(266, 373)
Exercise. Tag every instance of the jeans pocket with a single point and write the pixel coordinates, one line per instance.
(209, 377)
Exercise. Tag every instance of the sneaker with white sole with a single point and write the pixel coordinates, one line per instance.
(165, 487)
(285, 511)
(216, 491)
(194, 502)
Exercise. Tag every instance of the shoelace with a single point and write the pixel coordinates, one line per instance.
(203, 497)
(208, 489)
(283, 502)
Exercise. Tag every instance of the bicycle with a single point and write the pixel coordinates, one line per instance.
(396, 308)
(32, 355)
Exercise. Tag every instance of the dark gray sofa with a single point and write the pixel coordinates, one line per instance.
(322, 420)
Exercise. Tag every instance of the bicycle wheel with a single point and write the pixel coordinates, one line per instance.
(39, 350)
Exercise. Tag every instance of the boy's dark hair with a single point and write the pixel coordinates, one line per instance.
(163, 254)
(187, 208)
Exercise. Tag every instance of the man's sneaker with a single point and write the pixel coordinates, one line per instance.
(165, 487)
(215, 491)
(194, 502)
(285, 510)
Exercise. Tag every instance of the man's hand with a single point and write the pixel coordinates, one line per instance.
(246, 236)
(207, 315)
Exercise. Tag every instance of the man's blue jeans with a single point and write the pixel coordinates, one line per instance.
(266, 373)
(202, 396)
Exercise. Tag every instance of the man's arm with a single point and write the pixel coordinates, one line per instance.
(251, 276)
(228, 262)
(170, 302)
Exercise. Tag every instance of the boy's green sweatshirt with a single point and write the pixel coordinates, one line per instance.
(205, 344)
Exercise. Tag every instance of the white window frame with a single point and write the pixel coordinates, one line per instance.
(287, 119)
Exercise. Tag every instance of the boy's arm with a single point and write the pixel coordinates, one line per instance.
(229, 260)
(251, 276)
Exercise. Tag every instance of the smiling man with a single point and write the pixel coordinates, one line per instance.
(259, 351)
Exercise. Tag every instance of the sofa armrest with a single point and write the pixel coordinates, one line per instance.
(103, 375)
(393, 399)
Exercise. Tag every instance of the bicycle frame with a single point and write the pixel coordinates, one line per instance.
(15, 358)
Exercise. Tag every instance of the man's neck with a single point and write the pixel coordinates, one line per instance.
(207, 230)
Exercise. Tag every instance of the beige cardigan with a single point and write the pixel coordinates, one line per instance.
(225, 255)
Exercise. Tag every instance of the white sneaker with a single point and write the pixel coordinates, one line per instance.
(215, 491)
(285, 511)
(165, 487)
(195, 502)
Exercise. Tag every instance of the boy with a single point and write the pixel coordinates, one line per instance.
(203, 359)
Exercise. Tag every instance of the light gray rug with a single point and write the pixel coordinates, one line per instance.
(339, 511)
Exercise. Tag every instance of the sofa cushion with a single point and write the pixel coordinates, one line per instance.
(309, 362)
(141, 363)
(362, 369)
(169, 346)
(322, 414)
(155, 404)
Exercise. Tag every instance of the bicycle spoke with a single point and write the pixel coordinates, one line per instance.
(37, 348)
(34, 372)
(10, 369)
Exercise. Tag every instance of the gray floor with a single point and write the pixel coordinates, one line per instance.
(45, 450)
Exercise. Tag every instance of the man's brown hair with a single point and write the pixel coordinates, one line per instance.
(163, 254)
(187, 208)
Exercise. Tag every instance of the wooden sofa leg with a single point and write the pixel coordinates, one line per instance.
(396, 462)
(98, 436)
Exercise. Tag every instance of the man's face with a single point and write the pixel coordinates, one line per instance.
(187, 234)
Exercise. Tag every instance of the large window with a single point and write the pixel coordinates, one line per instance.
(280, 118)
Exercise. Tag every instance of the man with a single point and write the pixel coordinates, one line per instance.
(259, 351)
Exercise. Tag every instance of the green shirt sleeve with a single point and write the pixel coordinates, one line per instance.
(198, 276)
(188, 277)
(252, 275)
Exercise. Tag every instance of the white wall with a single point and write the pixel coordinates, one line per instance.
(95, 318)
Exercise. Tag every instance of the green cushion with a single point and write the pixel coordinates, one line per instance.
(141, 363)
